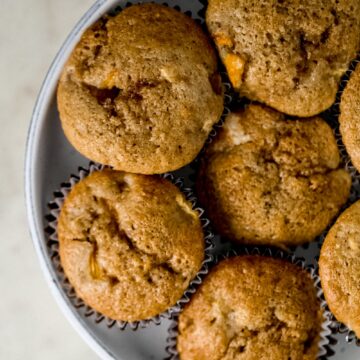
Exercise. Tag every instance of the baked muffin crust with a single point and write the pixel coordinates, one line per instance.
(129, 244)
(251, 308)
(269, 180)
(339, 267)
(138, 96)
(287, 54)
(350, 117)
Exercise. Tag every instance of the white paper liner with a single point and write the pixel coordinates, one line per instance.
(332, 117)
(53, 249)
(194, 9)
(228, 99)
(326, 339)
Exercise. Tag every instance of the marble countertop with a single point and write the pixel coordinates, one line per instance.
(32, 325)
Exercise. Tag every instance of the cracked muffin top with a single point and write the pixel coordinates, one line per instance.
(129, 244)
(339, 268)
(288, 54)
(269, 180)
(141, 90)
(349, 118)
(251, 308)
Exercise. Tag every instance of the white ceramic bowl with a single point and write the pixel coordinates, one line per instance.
(50, 159)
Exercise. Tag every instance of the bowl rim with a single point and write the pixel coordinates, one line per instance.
(32, 205)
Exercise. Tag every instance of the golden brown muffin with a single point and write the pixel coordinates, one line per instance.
(251, 308)
(350, 117)
(287, 54)
(141, 90)
(340, 268)
(129, 244)
(273, 181)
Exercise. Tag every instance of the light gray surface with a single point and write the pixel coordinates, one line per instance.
(50, 160)
(32, 326)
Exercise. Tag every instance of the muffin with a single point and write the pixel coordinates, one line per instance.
(350, 117)
(340, 268)
(141, 91)
(129, 244)
(268, 180)
(252, 307)
(287, 54)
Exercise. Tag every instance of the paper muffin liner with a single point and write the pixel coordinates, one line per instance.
(194, 9)
(326, 339)
(332, 117)
(340, 328)
(228, 100)
(53, 251)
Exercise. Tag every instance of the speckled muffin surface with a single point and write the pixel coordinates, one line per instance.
(136, 95)
(129, 244)
(350, 117)
(267, 180)
(339, 267)
(287, 54)
(252, 307)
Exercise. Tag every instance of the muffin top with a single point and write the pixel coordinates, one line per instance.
(288, 54)
(252, 307)
(129, 244)
(269, 180)
(340, 268)
(141, 90)
(350, 117)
